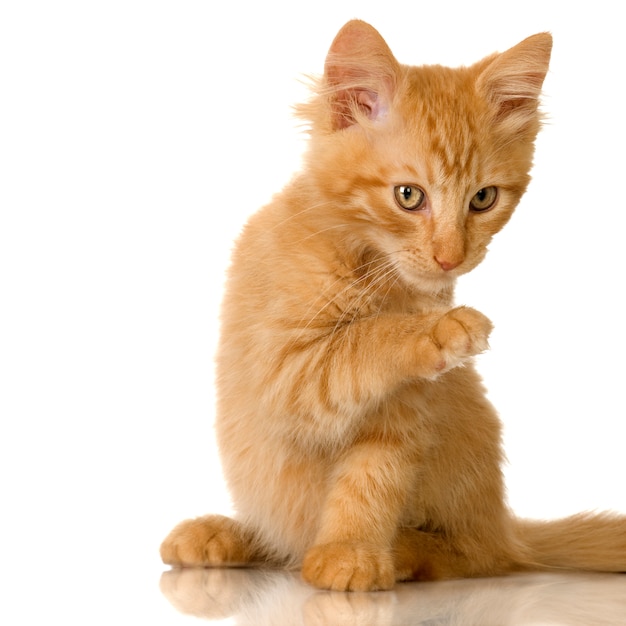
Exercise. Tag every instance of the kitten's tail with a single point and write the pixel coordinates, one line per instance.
(587, 541)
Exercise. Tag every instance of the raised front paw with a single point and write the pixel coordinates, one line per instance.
(206, 541)
(459, 334)
(348, 567)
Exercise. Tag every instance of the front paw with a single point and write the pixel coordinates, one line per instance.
(213, 540)
(348, 567)
(458, 335)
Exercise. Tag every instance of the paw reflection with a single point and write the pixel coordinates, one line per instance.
(274, 597)
(349, 609)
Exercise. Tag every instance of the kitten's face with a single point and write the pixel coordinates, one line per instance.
(432, 188)
(428, 171)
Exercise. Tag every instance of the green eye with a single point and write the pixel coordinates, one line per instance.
(410, 197)
(484, 199)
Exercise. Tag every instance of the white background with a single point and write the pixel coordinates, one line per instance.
(135, 139)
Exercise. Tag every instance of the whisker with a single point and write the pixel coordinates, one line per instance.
(313, 207)
(378, 279)
(310, 319)
(319, 232)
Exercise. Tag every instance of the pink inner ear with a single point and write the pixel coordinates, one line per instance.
(370, 104)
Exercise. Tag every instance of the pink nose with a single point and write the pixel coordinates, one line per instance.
(447, 265)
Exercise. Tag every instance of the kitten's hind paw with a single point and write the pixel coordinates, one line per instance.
(207, 541)
(348, 567)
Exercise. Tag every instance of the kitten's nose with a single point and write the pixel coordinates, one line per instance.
(448, 265)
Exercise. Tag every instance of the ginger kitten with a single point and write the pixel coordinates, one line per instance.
(354, 431)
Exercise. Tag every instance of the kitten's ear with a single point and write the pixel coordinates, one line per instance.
(360, 74)
(512, 80)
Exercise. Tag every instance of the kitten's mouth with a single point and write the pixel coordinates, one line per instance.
(449, 275)
(431, 282)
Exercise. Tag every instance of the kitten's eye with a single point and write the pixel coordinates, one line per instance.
(409, 197)
(484, 199)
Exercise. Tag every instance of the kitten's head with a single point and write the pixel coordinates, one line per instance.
(423, 165)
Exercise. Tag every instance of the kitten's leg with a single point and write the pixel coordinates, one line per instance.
(357, 367)
(353, 548)
(462, 492)
(207, 541)
(420, 555)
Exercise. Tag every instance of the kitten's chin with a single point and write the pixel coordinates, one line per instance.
(432, 283)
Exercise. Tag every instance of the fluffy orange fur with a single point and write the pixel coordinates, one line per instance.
(354, 431)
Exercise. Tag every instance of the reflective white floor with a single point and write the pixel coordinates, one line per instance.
(277, 598)
(122, 176)
(113, 591)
